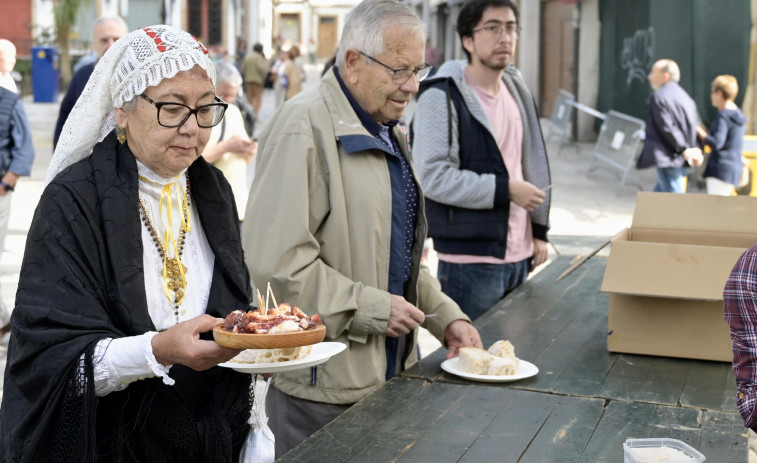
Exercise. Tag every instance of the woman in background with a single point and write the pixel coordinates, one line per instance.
(726, 137)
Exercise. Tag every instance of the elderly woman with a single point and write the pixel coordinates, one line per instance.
(132, 257)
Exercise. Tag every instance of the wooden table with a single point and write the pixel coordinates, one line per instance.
(581, 407)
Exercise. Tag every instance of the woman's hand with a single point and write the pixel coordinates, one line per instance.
(181, 344)
(701, 132)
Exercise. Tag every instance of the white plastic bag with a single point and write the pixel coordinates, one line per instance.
(259, 447)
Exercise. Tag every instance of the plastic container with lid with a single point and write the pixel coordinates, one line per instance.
(660, 449)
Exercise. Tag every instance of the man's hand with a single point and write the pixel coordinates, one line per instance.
(701, 133)
(526, 195)
(404, 317)
(541, 252)
(181, 344)
(9, 178)
(459, 334)
(693, 156)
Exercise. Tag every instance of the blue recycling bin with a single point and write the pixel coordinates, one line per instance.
(45, 74)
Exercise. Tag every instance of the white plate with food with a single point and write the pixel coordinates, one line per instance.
(525, 370)
(319, 354)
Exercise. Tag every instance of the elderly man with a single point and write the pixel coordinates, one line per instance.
(16, 158)
(105, 32)
(671, 139)
(335, 222)
(7, 62)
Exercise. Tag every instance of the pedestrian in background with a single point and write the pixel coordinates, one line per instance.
(294, 73)
(16, 158)
(229, 147)
(482, 163)
(724, 166)
(105, 31)
(254, 69)
(7, 63)
(671, 143)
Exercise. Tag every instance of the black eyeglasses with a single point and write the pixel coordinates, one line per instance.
(496, 30)
(400, 76)
(176, 114)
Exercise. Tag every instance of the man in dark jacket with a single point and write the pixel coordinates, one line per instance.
(105, 32)
(671, 138)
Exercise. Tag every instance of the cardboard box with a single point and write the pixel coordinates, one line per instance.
(666, 274)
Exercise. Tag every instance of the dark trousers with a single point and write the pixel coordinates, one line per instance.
(477, 287)
(292, 420)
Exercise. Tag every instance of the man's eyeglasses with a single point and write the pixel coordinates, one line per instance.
(176, 114)
(496, 30)
(400, 76)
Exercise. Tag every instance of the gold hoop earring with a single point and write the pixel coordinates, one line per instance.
(121, 137)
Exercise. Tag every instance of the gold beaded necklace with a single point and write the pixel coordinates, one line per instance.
(174, 271)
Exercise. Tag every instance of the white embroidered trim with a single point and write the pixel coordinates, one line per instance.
(159, 370)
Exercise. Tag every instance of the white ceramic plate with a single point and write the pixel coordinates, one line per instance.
(525, 370)
(320, 353)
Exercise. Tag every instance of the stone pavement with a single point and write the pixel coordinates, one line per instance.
(586, 209)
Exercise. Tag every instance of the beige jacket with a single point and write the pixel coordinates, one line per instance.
(318, 227)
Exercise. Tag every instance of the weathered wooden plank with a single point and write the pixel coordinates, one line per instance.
(646, 379)
(724, 437)
(566, 432)
(710, 385)
(449, 438)
(532, 425)
(577, 361)
(377, 447)
(421, 411)
(620, 421)
(333, 442)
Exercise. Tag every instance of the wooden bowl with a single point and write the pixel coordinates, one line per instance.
(268, 341)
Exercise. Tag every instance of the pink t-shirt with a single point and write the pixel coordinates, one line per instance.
(504, 118)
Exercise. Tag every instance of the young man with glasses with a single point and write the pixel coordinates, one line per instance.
(482, 163)
(335, 185)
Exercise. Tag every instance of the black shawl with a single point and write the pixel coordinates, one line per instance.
(82, 280)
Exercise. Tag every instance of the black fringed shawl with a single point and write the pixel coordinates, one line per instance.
(82, 280)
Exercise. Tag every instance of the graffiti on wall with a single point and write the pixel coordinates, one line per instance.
(637, 56)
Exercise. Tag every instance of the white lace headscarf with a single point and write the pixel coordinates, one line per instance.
(140, 59)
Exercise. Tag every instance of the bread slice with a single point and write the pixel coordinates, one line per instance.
(272, 355)
(502, 366)
(474, 360)
(503, 349)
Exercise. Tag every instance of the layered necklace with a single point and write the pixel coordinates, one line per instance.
(173, 271)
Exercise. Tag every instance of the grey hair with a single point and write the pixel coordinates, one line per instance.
(102, 19)
(671, 67)
(364, 26)
(227, 72)
(7, 46)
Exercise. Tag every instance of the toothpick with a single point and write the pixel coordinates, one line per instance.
(265, 312)
(260, 299)
(273, 298)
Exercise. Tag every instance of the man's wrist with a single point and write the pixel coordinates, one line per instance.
(6, 186)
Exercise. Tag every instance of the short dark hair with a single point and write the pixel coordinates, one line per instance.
(258, 48)
(472, 12)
